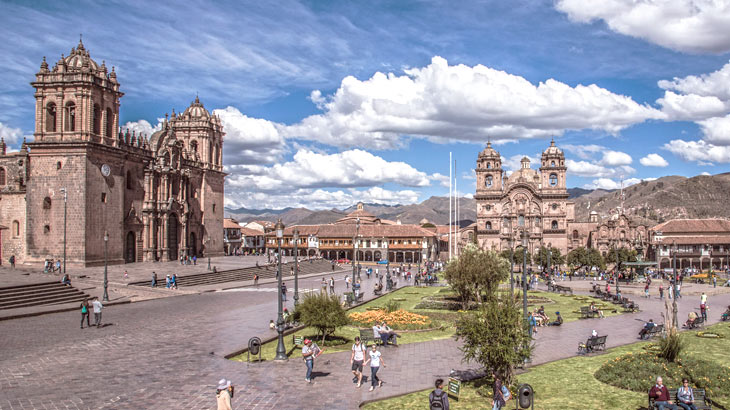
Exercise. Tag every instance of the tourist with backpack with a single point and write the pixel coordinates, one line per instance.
(85, 313)
(438, 399)
(501, 393)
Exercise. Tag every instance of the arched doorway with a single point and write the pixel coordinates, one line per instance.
(172, 248)
(130, 252)
(193, 245)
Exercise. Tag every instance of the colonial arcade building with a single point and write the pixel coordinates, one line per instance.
(150, 199)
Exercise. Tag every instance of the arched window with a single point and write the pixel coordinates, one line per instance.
(489, 226)
(553, 179)
(488, 182)
(217, 155)
(47, 203)
(129, 180)
(554, 225)
(109, 123)
(16, 229)
(2, 176)
(166, 159)
(96, 115)
(521, 220)
(489, 165)
(210, 151)
(575, 234)
(70, 119)
(51, 117)
(46, 228)
(193, 148)
(59, 165)
(552, 163)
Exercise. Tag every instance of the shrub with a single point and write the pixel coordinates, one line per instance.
(670, 346)
(323, 312)
(391, 306)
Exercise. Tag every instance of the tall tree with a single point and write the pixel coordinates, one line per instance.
(476, 272)
(541, 257)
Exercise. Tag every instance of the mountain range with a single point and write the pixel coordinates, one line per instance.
(648, 202)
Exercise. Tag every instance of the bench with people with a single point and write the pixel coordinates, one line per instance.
(685, 397)
(726, 315)
(366, 335)
(378, 289)
(385, 334)
(593, 343)
(693, 321)
(650, 330)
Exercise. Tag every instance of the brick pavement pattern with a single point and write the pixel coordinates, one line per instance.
(168, 354)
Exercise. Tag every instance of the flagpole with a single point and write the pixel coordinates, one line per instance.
(450, 215)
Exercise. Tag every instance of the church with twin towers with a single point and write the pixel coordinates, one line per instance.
(83, 183)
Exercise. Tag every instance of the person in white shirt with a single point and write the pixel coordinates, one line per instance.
(375, 361)
(97, 311)
(356, 359)
(376, 330)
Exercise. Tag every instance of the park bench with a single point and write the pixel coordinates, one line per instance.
(702, 402)
(656, 330)
(350, 298)
(378, 292)
(630, 306)
(586, 313)
(434, 280)
(697, 323)
(564, 289)
(592, 344)
(366, 335)
(550, 287)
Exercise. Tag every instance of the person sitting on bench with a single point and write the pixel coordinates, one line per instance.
(594, 309)
(378, 287)
(558, 320)
(387, 334)
(543, 318)
(726, 315)
(647, 327)
(691, 318)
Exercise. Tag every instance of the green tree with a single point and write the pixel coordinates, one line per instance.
(624, 255)
(541, 257)
(581, 257)
(322, 311)
(494, 335)
(518, 256)
(476, 272)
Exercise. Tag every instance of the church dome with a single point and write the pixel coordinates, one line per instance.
(552, 150)
(489, 151)
(196, 110)
(79, 58)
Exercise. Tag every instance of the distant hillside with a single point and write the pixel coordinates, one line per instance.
(648, 202)
(669, 197)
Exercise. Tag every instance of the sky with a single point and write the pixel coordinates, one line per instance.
(328, 103)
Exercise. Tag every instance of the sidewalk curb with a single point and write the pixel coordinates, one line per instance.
(69, 309)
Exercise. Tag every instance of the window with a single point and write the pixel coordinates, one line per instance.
(193, 148)
(16, 229)
(552, 163)
(51, 117)
(47, 203)
(555, 206)
(2, 176)
(488, 207)
(489, 226)
(109, 123)
(554, 225)
(58, 165)
(489, 165)
(553, 179)
(129, 180)
(96, 115)
(70, 117)
(103, 197)
(213, 208)
(489, 181)
(575, 234)
(537, 221)
(46, 229)
(521, 220)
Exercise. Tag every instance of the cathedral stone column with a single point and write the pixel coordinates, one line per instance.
(163, 231)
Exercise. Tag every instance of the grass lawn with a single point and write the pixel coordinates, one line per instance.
(411, 297)
(569, 305)
(570, 384)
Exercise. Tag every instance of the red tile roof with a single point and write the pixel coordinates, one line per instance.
(693, 225)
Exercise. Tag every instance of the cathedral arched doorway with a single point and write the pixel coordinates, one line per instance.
(130, 251)
(193, 245)
(172, 248)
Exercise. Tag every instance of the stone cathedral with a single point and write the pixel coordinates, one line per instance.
(155, 198)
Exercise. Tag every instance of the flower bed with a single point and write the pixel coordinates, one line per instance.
(400, 319)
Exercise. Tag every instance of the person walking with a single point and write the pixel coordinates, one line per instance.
(283, 291)
(332, 285)
(356, 360)
(678, 286)
(85, 313)
(308, 356)
(661, 292)
(714, 281)
(256, 279)
(97, 312)
(12, 261)
(703, 298)
(438, 399)
(500, 393)
(154, 280)
(126, 275)
(224, 394)
(375, 359)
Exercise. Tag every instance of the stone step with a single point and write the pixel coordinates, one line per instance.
(43, 300)
(32, 286)
(52, 292)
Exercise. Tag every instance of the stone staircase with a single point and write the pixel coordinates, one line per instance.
(244, 274)
(37, 294)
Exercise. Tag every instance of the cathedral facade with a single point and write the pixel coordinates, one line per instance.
(84, 183)
(533, 202)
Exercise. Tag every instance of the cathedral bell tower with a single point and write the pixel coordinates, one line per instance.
(489, 171)
(76, 100)
(552, 169)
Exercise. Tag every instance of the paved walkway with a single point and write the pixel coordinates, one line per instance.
(168, 353)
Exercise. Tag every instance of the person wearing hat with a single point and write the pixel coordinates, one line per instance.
(223, 394)
(558, 320)
(308, 356)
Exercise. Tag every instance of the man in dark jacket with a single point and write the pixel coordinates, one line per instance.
(438, 399)
(660, 394)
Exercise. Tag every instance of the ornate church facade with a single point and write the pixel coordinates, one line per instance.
(84, 183)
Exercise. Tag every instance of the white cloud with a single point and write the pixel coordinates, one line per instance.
(700, 151)
(143, 127)
(653, 160)
(319, 198)
(699, 26)
(691, 107)
(514, 162)
(591, 169)
(614, 158)
(459, 102)
(469, 196)
(12, 136)
(716, 130)
(583, 151)
(309, 169)
(443, 180)
(715, 84)
(706, 173)
(607, 183)
(249, 140)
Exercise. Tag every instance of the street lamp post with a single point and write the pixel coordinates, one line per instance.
(280, 349)
(296, 268)
(354, 249)
(524, 282)
(511, 263)
(549, 256)
(617, 270)
(65, 194)
(674, 288)
(106, 281)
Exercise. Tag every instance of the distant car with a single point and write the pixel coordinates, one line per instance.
(382, 262)
(341, 261)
